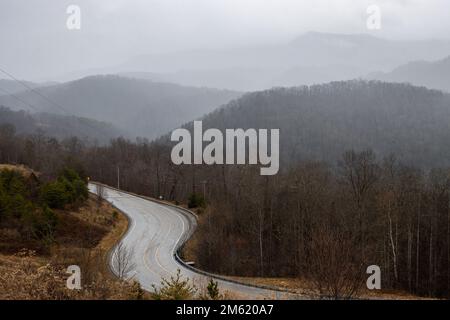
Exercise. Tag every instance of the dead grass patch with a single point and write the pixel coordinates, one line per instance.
(85, 237)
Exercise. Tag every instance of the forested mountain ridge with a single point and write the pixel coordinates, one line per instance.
(320, 122)
(140, 107)
(435, 74)
(58, 126)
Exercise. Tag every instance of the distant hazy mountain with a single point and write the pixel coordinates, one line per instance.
(434, 75)
(240, 79)
(311, 58)
(140, 107)
(320, 122)
(12, 86)
(58, 126)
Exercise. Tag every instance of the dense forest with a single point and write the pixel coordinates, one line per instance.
(321, 219)
(59, 126)
(27, 207)
(319, 122)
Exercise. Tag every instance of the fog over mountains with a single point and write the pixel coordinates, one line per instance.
(11, 86)
(431, 74)
(136, 107)
(58, 126)
(309, 59)
(153, 94)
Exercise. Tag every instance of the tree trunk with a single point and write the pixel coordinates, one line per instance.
(393, 245)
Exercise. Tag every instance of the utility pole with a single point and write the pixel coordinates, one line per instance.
(118, 177)
(204, 189)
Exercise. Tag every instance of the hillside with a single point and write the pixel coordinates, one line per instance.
(320, 122)
(40, 237)
(435, 75)
(140, 107)
(58, 126)
(11, 86)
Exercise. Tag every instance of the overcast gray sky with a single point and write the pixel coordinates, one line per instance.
(35, 42)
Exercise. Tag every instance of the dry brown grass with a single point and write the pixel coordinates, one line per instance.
(25, 171)
(86, 236)
(306, 288)
(25, 276)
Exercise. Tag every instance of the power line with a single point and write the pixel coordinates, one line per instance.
(87, 123)
(19, 99)
(35, 91)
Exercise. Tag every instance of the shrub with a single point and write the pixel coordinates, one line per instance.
(210, 291)
(213, 289)
(136, 291)
(44, 226)
(67, 189)
(12, 182)
(54, 195)
(76, 187)
(13, 195)
(176, 288)
(17, 205)
(196, 200)
(69, 174)
(81, 190)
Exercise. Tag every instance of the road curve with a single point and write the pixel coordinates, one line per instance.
(154, 234)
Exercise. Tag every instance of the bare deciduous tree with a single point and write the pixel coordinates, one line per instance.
(335, 268)
(100, 192)
(122, 261)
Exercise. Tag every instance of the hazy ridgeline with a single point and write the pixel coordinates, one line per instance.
(58, 126)
(135, 107)
(329, 210)
(310, 58)
(320, 122)
(434, 74)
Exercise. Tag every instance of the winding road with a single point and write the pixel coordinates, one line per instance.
(155, 232)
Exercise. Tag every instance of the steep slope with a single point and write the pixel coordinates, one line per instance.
(141, 107)
(320, 122)
(434, 75)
